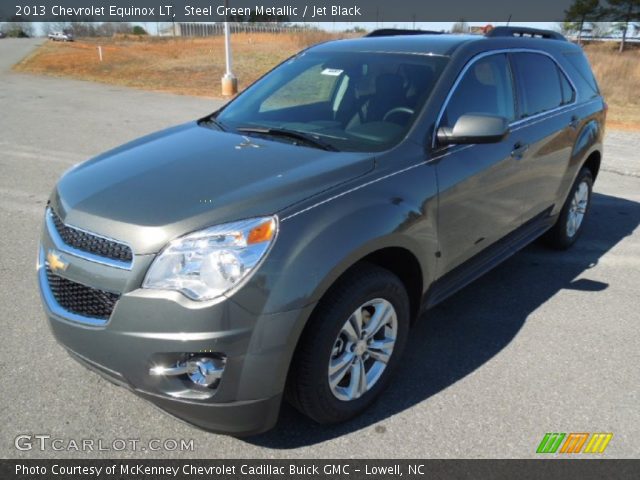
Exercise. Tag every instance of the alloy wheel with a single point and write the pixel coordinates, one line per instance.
(362, 349)
(577, 208)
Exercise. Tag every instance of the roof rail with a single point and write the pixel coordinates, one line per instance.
(390, 32)
(524, 32)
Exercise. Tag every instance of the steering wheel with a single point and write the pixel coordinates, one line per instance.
(405, 110)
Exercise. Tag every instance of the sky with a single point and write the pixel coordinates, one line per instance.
(341, 26)
(437, 26)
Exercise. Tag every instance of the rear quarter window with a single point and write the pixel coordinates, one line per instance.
(582, 75)
(568, 94)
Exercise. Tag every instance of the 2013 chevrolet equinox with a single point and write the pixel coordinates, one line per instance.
(283, 245)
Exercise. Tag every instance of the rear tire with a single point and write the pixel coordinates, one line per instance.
(572, 217)
(338, 371)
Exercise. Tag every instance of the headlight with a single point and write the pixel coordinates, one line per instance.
(206, 264)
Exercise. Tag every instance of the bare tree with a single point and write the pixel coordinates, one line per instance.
(569, 28)
(600, 29)
(460, 27)
(83, 29)
(563, 27)
(50, 27)
(19, 29)
(124, 27)
(580, 12)
(105, 29)
(99, 29)
(627, 11)
(109, 29)
(164, 28)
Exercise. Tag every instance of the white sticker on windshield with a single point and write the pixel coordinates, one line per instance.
(334, 72)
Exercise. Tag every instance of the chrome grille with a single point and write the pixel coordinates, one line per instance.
(81, 299)
(93, 244)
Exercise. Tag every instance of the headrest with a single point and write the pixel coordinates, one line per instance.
(389, 83)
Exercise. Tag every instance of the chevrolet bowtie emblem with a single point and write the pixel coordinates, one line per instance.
(247, 143)
(55, 262)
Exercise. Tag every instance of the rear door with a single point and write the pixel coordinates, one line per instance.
(480, 197)
(546, 128)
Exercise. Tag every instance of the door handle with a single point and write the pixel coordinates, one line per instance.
(518, 150)
(574, 122)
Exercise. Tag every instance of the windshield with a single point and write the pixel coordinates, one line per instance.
(356, 101)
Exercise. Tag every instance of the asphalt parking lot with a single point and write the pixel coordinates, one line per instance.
(547, 342)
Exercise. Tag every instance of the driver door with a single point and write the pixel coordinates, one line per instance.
(480, 185)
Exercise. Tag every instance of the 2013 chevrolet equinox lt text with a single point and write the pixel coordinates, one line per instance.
(283, 245)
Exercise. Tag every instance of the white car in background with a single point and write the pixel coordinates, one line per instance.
(60, 37)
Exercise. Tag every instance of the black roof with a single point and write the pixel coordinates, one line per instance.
(525, 32)
(435, 43)
(387, 32)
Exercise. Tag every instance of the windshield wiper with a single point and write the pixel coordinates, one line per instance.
(307, 138)
(211, 120)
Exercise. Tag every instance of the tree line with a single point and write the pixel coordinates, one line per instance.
(78, 29)
(592, 12)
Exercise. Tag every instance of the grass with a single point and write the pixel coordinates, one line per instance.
(189, 66)
(193, 66)
(618, 75)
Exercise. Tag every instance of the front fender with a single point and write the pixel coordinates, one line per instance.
(319, 244)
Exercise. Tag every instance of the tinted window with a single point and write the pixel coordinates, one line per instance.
(356, 101)
(486, 88)
(582, 75)
(567, 91)
(307, 88)
(539, 83)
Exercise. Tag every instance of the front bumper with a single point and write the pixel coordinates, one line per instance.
(147, 326)
(240, 418)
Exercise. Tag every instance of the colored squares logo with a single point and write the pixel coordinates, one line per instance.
(598, 443)
(550, 442)
(574, 443)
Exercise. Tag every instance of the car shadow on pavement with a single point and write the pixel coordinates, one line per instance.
(461, 334)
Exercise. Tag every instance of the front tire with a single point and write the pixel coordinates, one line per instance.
(351, 345)
(572, 217)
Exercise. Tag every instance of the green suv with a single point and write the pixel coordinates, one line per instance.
(282, 246)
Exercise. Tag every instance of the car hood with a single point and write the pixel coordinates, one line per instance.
(172, 182)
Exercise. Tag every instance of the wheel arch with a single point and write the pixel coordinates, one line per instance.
(587, 150)
(592, 162)
(405, 265)
(400, 260)
(395, 254)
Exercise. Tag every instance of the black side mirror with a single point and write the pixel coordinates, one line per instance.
(475, 128)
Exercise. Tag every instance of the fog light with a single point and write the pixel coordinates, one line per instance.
(203, 371)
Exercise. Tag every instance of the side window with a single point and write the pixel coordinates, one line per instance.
(568, 95)
(486, 88)
(539, 83)
(581, 74)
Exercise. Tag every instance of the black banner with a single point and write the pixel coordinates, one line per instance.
(320, 469)
(314, 10)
